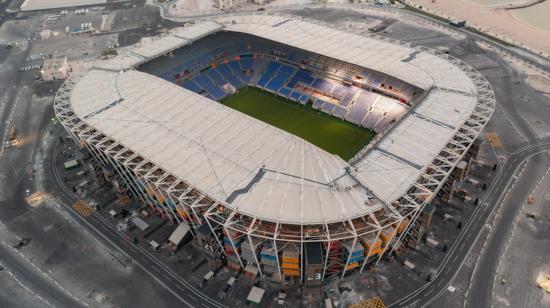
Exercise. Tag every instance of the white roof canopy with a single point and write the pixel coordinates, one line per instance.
(256, 168)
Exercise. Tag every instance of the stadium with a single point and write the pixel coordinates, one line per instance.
(285, 144)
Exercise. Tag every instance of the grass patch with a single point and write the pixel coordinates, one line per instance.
(334, 135)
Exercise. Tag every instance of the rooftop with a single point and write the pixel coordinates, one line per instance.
(53, 64)
(258, 169)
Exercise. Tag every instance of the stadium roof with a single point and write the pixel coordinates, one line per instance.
(256, 168)
(398, 60)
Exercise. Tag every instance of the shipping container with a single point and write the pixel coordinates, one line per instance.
(71, 164)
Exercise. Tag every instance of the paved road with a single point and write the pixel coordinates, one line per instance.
(481, 287)
(27, 275)
(3, 14)
(104, 229)
(474, 228)
(524, 54)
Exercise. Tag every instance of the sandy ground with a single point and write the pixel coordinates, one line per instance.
(536, 15)
(526, 254)
(496, 2)
(540, 83)
(191, 7)
(534, 76)
(494, 20)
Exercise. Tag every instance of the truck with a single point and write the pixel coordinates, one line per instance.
(71, 164)
(457, 23)
(13, 134)
(206, 278)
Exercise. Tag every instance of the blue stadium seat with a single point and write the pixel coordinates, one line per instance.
(230, 76)
(295, 96)
(215, 91)
(318, 104)
(301, 76)
(238, 71)
(287, 69)
(266, 76)
(327, 107)
(247, 63)
(285, 91)
(191, 85)
(339, 112)
(213, 74)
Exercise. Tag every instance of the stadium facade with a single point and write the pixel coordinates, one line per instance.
(255, 195)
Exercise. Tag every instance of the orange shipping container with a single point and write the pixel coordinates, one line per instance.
(403, 225)
(182, 213)
(387, 234)
(352, 266)
(290, 260)
(159, 196)
(290, 265)
(150, 190)
(374, 251)
(376, 244)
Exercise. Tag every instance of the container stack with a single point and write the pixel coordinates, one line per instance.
(388, 234)
(291, 262)
(355, 255)
(402, 226)
(314, 269)
(231, 238)
(251, 271)
(205, 240)
(334, 263)
(268, 257)
(248, 252)
(373, 244)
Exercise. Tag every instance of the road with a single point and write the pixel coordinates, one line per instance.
(28, 275)
(526, 55)
(476, 227)
(105, 230)
(4, 15)
(480, 293)
(17, 110)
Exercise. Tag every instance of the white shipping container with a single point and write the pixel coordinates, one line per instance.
(431, 242)
(409, 265)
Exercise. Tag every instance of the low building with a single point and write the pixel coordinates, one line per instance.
(45, 34)
(55, 69)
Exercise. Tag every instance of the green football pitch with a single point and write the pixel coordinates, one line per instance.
(334, 135)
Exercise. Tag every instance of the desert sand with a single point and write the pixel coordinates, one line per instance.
(491, 17)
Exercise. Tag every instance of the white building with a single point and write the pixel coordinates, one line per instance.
(55, 69)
